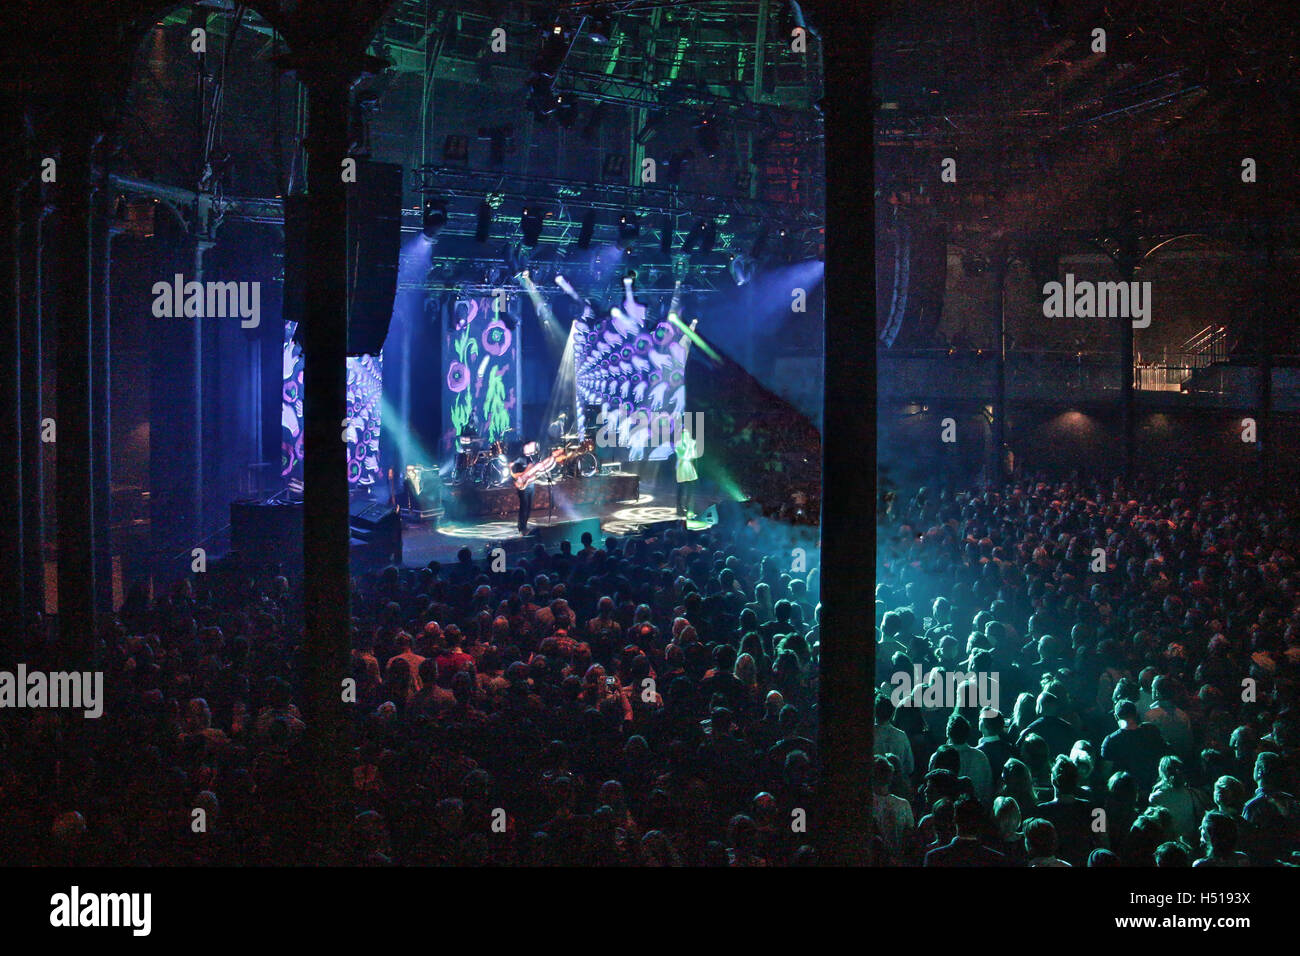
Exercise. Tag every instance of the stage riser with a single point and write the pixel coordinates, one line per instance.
(469, 503)
(550, 536)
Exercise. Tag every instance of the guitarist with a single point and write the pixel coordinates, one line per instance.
(525, 474)
(525, 495)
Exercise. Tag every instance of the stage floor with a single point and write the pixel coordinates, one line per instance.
(574, 496)
(422, 543)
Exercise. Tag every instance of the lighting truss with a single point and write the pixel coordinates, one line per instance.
(455, 181)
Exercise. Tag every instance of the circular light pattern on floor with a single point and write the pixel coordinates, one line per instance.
(626, 520)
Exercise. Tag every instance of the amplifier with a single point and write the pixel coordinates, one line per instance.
(377, 527)
(422, 491)
(266, 531)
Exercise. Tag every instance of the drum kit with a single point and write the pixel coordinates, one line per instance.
(577, 457)
(485, 464)
(481, 462)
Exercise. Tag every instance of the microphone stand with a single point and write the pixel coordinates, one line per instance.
(550, 497)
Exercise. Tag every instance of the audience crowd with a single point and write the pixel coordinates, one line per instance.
(1107, 674)
(648, 703)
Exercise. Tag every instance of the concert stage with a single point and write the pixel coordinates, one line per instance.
(423, 542)
(470, 502)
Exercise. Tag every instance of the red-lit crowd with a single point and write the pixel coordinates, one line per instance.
(647, 703)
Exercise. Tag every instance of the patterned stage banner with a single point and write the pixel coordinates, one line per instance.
(635, 373)
(482, 374)
(365, 392)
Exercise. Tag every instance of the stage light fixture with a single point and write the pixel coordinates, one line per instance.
(566, 113)
(588, 229)
(543, 102)
(551, 56)
(629, 227)
(793, 17)
(710, 237)
(666, 235)
(789, 246)
(600, 25)
(706, 135)
(459, 315)
(483, 228)
(435, 217)
(591, 129)
(702, 236)
(651, 128)
(530, 224)
(742, 269)
(693, 237)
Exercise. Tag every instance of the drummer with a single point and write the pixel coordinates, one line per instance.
(555, 432)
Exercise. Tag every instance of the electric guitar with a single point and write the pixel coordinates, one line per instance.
(540, 469)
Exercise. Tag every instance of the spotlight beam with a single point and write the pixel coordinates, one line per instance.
(693, 337)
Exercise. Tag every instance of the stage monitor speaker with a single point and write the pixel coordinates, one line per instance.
(571, 531)
(657, 529)
(377, 527)
(423, 493)
(266, 531)
(730, 514)
(367, 517)
(374, 247)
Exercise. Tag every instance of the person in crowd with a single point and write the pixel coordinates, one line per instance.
(1072, 818)
(1135, 747)
(893, 814)
(1040, 844)
(1185, 804)
(1219, 838)
(967, 847)
(973, 763)
(889, 739)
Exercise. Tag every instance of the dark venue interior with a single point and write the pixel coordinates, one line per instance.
(426, 450)
(442, 431)
(1088, 639)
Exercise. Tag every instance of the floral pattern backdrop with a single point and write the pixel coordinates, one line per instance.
(365, 392)
(481, 371)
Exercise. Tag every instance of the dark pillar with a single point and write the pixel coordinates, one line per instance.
(31, 448)
(1000, 264)
(101, 390)
(1265, 306)
(11, 420)
(1125, 252)
(849, 451)
(1128, 397)
(75, 493)
(326, 597)
(198, 337)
